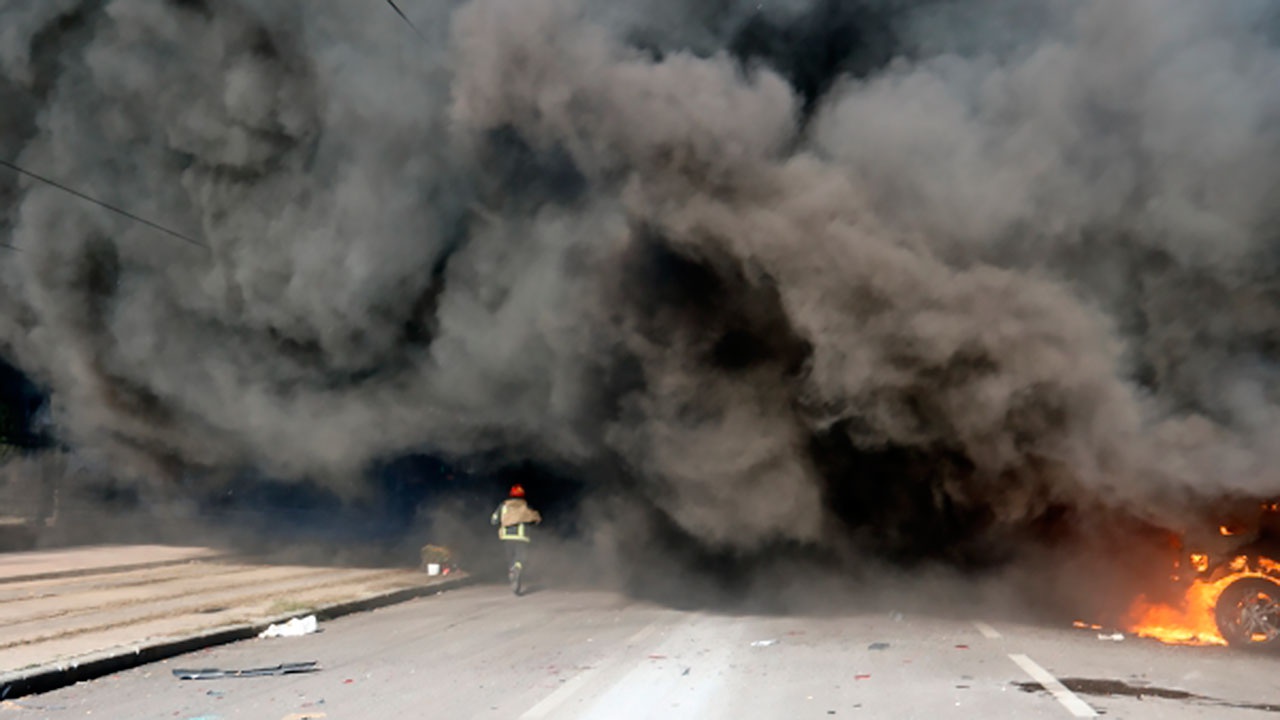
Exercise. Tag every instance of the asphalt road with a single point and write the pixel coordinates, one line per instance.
(558, 653)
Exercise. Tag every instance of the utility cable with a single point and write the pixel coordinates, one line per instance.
(406, 19)
(108, 206)
(131, 216)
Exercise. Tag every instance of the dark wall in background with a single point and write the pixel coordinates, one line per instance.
(20, 401)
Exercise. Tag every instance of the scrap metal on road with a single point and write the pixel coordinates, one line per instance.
(77, 613)
(558, 653)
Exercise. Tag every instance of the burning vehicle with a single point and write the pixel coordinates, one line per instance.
(1229, 584)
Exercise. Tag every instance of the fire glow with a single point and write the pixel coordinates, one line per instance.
(1192, 621)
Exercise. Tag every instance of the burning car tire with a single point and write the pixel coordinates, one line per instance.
(1248, 613)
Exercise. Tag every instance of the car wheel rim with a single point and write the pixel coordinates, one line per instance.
(1259, 618)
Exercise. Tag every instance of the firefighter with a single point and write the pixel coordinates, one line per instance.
(513, 517)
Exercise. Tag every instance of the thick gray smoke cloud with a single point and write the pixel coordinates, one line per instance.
(1006, 261)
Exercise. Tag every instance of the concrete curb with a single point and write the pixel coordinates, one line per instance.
(52, 676)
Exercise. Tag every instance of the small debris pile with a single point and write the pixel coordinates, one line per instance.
(437, 560)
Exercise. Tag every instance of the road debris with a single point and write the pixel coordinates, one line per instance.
(305, 716)
(294, 628)
(865, 676)
(764, 643)
(878, 646)
(1114, 637)
(19, 705)
(962, 647)
(437, 559)
(214, 673)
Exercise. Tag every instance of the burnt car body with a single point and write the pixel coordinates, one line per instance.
(1245, 561)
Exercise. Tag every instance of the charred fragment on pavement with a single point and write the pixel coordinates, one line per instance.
(1118, 688)
(1087, 686)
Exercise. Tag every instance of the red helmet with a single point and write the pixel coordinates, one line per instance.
(517, 491)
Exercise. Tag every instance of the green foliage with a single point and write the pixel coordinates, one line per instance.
(436, 554)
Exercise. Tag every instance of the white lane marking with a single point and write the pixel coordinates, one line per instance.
(565, 691)
(657, 690)
(987, 631)
(1075, 705)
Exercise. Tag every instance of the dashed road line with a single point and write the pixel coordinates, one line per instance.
(987, 631)
(1069, 700)
(567, 690)
(655, 690)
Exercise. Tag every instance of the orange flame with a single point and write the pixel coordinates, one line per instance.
(1192, 621)
(1189, 623)
(1200, 562)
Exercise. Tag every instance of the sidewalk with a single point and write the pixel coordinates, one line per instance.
(107, 558)
(71, 615)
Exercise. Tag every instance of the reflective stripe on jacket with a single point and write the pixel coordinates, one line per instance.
(514, 532)
(517, 532)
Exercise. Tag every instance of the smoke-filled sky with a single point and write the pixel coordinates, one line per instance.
(789, 269)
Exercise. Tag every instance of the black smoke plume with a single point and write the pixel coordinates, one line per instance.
(936, 278)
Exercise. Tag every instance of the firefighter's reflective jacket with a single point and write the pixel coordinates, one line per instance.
(513, 517)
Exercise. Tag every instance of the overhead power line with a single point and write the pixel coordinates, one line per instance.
(137, 218)
(406, 19)
(100, 203)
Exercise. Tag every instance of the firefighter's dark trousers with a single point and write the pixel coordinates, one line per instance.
(517, 552)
